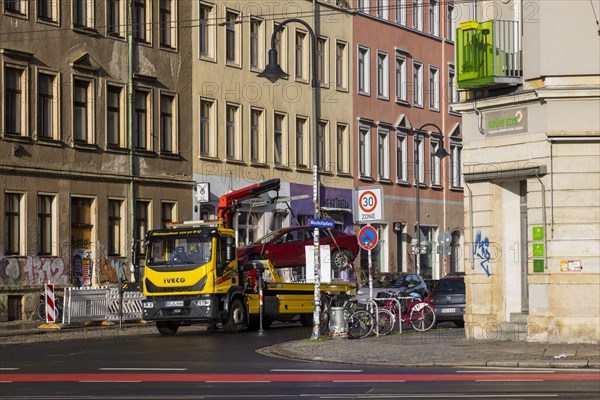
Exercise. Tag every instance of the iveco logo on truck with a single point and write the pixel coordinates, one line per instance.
(174, 280)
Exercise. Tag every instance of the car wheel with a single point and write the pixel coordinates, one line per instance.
(341, 260)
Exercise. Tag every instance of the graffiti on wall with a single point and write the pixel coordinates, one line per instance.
(481, 250)
(32, 270)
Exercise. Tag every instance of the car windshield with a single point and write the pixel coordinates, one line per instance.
(177, 250)
(387, 281)
(451, 285)
(267, 238)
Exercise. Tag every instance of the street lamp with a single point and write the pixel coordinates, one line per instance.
(440, 153)
(273, 73)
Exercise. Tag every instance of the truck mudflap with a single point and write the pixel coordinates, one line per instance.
(180, 309)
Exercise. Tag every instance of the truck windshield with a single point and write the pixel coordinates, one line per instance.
(177, 250)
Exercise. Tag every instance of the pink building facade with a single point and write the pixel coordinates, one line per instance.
(404, 80)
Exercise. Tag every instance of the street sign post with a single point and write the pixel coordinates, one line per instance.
(367, 239)
(321, 223)
(368, 204)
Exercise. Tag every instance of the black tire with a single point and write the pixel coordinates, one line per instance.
(422, 317)
(236, 319)
(340, 260)
(40, 311)
(254, 323)
(167, 328)
(385, 322)
(306, 319)
(360, 324)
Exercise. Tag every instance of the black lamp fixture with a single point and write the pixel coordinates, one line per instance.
(273, 71)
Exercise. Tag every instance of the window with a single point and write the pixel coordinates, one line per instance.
(15, 224)
(341, 66)
(383, 153)
(15, 101)
(232, 29)
(46, 235)
(207, 127)
(435, 163)
(281, 46)
(417, 15)
(115, 230)
(141, 120)
(115, 17)
(16, 6)
(363, 6)
(401, 78)
(450, 35)
(168, 26)
(382, 9)
(434, 89)
(363, 70)
(256, 43)
(115, 116)
(168, 129)
(279, 135)
(322, 130)
(232, 141)
(401, 12)
(383, 84)
(47, 10)
(401, 157)
(364, 151)
(434, 17)
(420, 169)
(256, 134)
(300, 55)
(301, 137)
(83, 13)
(47, 118)
(83, 111)
(167, 213)
(341, 147)
(141, 21)
(417, 84)
(321, 61)
(453, 96)
(142, 222)
(207, 30)
(456, 175)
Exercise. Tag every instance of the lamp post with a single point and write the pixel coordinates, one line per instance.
(273, 73)
(440, 153)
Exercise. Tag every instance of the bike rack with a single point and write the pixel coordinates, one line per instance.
(399, 310)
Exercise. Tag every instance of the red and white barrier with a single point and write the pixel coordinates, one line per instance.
(50, 304)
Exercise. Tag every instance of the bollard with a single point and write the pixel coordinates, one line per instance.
(337, 322)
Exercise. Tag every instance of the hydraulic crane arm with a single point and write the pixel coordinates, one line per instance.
(228, 202)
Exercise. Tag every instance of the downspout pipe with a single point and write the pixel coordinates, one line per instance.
(130, 135)
(544, 218)
(479, 118)
(471, 226)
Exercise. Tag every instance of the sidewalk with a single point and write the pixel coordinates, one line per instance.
(439, 347)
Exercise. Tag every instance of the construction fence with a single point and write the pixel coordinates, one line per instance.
(83, 304)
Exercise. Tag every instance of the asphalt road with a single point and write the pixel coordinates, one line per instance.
(197, 364)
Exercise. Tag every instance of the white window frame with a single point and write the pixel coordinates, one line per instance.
(256, 39)
(211, 134)
(172, 25)
(116, 26)
(401, 12)
(435, 162)
(88, 19)
(341, 65)
(323, 150)
(53, 232)
(417, 9)
(257, 143)
(22, 226)
(53, 103)
(418, 84)
(383, 75)
(54, 11)
(456, 172)
(301, 50)
(382, 9)
(434, 88)
(421, 139)
(120, 236)
(363, 6)
(302, 163)
(90, 132)
(235, 139)
(148, 118)
(281, 45)
(145, 31)
(283, 133)
(21, 103)
(401, 78)
(210, 28)
(173, 211)
(453, 95)
(122, 109)
(21, 7)
(324, 60)
(451, 30)
(235, 28)
(365, 76)
(364, 151)
(401, 162)
(434, 17)
(383, 153)
(342, 149)
(173, 122)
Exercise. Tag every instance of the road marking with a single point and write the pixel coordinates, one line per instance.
(239, 381)
(509, 380)
(317, 370)
(369, 381)
(9, 369)
(142, 369)
(514, 371)
(101, 381)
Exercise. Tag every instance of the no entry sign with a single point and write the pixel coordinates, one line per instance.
(367, 237)
(368, 204)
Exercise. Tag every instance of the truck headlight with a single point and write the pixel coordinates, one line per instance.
(148, 304)
(203, 303)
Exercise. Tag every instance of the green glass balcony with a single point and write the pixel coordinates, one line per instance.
(488, 54)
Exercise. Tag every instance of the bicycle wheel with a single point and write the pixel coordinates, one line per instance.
(360, 324)
(40, 311)
(422, 317)
(385, 322)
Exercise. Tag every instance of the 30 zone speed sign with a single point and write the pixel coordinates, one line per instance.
(368, 204)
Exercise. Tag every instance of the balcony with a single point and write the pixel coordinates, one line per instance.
(488, 54)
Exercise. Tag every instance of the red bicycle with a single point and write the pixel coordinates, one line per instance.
(413, 310)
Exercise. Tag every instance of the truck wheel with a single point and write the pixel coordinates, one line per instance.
(306, 319)
(237, 317)
(341, 260)
(167, 328)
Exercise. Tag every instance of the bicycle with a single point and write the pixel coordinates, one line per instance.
(360, 323)
(414, 310)
(40, 309)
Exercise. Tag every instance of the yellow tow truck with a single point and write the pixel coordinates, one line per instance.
(192, 275)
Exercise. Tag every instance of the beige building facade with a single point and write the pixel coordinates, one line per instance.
(531, 130)
(94, 139)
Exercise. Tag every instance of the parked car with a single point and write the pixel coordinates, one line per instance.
(402, 283)
(448, 298)
(285, 247)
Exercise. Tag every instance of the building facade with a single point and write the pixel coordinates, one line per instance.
(531, 126)
(404, 82)
(95, 130)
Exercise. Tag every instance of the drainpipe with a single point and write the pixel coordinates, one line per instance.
(544, 218)
(479, 118)
(471, 250)
(130, 132)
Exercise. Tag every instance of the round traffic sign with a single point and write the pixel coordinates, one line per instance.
(367, 237)
(367, 201)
